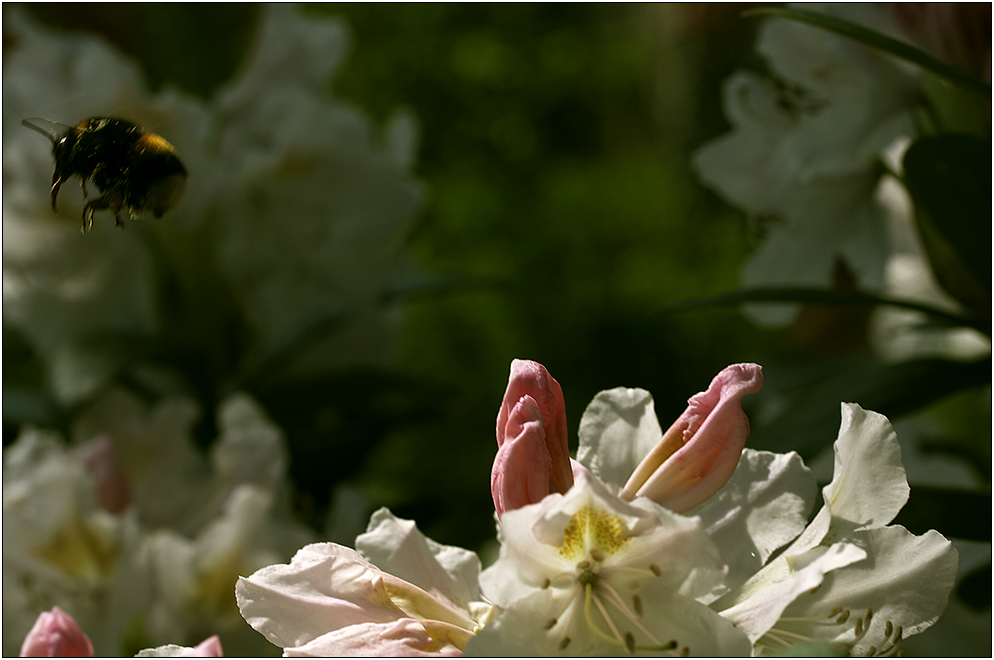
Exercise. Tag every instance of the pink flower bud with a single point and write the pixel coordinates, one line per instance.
(532, 449)
(56, 635)
(209, 648)
(700, 451)
(113, 485)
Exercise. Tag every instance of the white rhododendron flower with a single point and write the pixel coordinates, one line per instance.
(805, 147)
(418, 598)
(598, 570)
(587, 573)
(850, 578)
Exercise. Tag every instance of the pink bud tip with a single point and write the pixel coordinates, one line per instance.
(56, 635)
(209, 648)
(701, 450)
(533, 453)
(113, 485)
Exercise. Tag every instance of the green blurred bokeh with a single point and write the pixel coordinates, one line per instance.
(555, 143)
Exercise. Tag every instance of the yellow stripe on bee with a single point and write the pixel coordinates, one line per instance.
(154, 143)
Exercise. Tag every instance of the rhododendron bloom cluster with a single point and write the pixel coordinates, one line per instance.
(676, 543)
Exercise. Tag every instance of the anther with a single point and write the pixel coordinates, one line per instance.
(630, 642)
(637, 604)
(655, 570)
(545, 585)
(685, 652)
(869, 615)
(870, 652)
(563, 644)
(815, 589)
(834, 612)
(596, 555)
(843, 617)
(583, 565)
(888, 629)
(898, 632)
(551, 623)
(859, 627)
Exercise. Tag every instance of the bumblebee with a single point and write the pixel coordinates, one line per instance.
(134, 169)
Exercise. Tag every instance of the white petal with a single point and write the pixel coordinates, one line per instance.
(779, 585)
(906, 580)
(617, 430)
(397, 546)
(870, 485)
(402, 638)
(762, 507)
(324, 588)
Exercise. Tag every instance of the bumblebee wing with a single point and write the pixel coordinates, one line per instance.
(50, 129)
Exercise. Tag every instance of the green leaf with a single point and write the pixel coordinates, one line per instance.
(811, 418)
(949, 178)
(833, 297)
(877, 40)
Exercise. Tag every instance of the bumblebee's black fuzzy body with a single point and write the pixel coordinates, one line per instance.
(134, 169)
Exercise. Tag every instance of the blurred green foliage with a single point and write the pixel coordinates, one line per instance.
(555, 142)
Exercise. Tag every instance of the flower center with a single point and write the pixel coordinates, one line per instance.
(592, 531)
(590, 539)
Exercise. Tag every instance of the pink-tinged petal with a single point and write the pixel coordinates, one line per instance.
(325, 587)
(522, 470)
(533, 379)
(209, 648)
(113, 485)
(56, 635)
(404, 638)
(700, 451)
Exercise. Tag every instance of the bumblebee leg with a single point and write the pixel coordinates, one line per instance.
(82, 186)
(87, 220)
(56, 184)
(92, 207)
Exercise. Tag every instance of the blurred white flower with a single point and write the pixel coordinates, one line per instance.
(206, 521)
(804, 151)
(901, 334)
(292, 203)
(61, 549)
(162, 565)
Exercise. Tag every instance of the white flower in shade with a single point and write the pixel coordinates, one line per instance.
(804, 150)
(58, 288)
(314, 205)
(587, 573)
(293, 205)
(208, 521)
(60, 549)
(418, 598)
(849, 579)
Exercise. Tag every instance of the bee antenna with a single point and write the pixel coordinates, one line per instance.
(50, 129)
